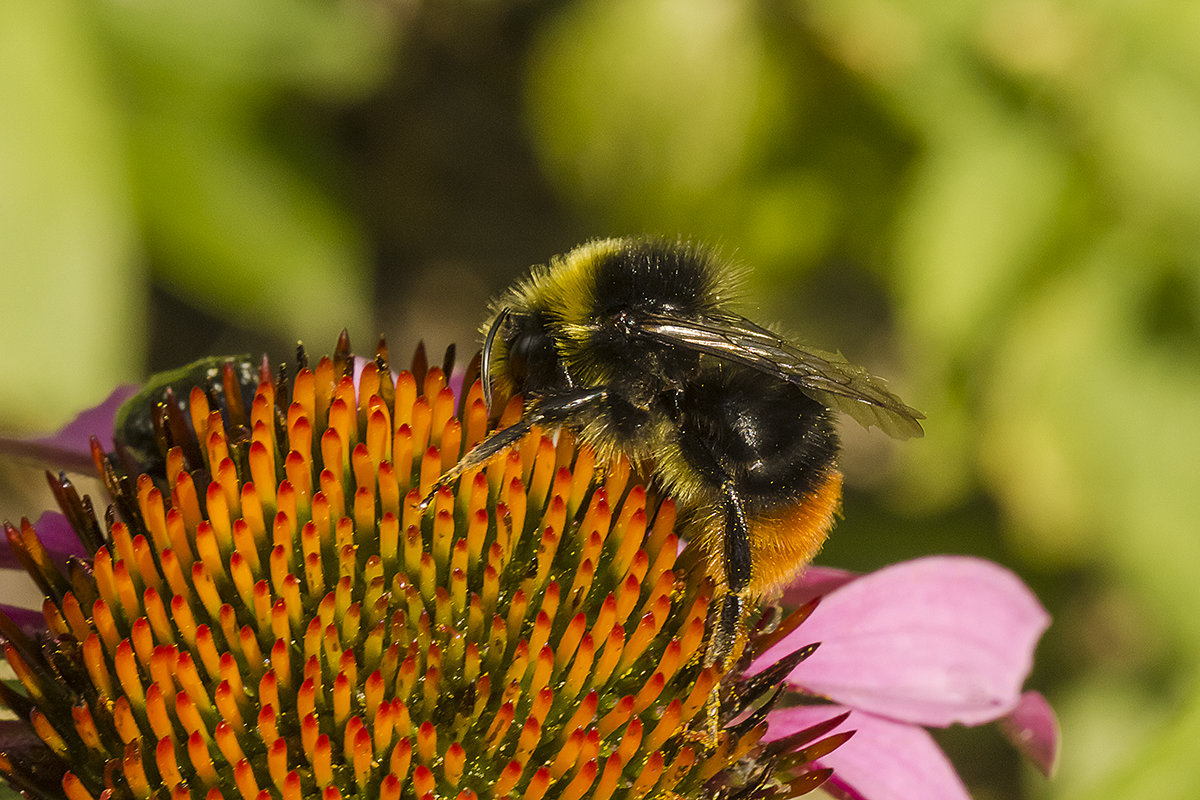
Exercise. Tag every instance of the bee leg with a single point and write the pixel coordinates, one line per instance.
(549, 411)
(479, 455)
(725, 624)
(734, 541)
(737, 539)
(735, 561)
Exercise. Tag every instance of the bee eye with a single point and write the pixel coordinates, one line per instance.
(517, 366)
(533, 362)
(525, 351)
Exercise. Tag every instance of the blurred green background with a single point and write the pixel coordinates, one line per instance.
(994, 203)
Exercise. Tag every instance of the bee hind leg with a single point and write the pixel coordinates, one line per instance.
(725, 641)
(725, 624)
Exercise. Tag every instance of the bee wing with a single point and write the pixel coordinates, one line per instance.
(826, 377)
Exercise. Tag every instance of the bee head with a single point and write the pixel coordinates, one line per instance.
(519, 352)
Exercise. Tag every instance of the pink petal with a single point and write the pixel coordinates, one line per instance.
(70, 448)
(456, 383)
(97, 421)
(815, 582)
(935, 641)
(884, 760)
(18, 740)
(56, 535)
(27, 619)
(1032, 727)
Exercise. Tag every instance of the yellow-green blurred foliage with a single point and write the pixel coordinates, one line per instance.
(996, 203)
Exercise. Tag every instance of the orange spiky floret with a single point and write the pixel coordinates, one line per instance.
(528, 635)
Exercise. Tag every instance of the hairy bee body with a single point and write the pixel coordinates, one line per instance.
(777, 448)
(570, 326)
(631, 344)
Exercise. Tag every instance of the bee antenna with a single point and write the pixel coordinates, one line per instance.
(485, 363)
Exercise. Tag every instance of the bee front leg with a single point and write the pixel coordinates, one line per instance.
(548, 411)
(479, 455)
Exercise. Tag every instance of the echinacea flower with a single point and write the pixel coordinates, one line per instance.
(265, 612)
(930, 642)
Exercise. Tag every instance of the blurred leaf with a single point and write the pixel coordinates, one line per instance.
(646, 110)
(1139, 116)
(1110, 720)
(983, 202)
(1114, 421)
(1162, 766)
(231, 50)
(787, 219)
(235, 221)
(244, 234)
(70, 269)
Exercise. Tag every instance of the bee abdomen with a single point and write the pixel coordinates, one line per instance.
(784, 542)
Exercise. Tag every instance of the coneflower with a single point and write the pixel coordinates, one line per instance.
(267, 612)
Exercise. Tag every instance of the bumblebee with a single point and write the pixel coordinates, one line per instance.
(632, 345)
